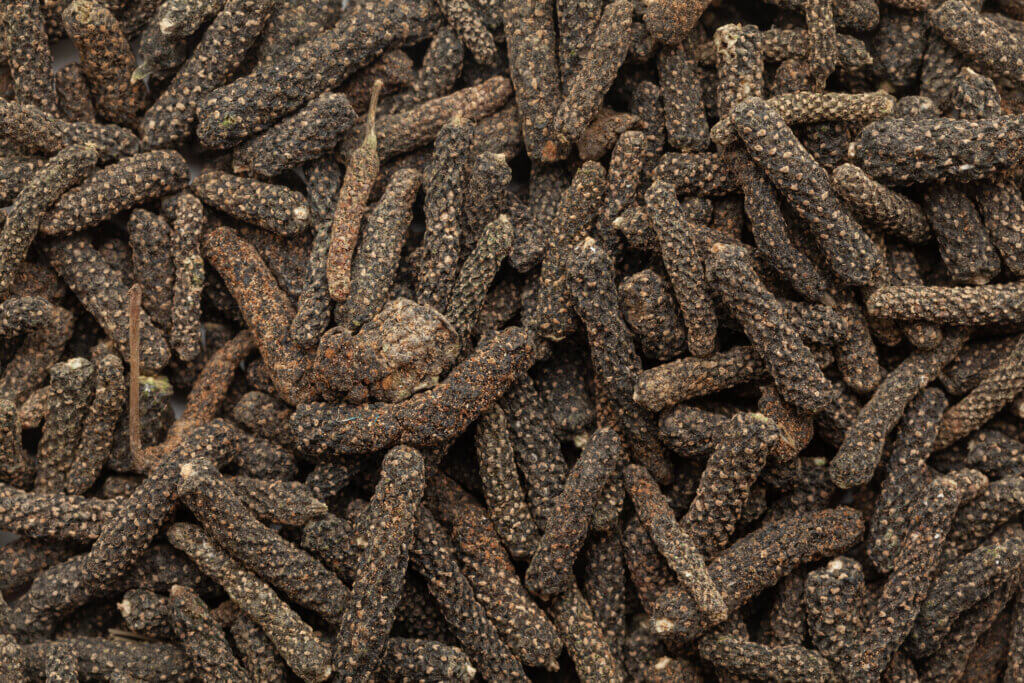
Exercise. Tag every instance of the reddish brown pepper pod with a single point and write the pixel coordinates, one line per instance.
(674, 544)
(791, 540)
(427, 419)
(29, 55)
(791, 364)
(857, 458)
(565, 530)
(106, 59)
(612, 354)
(770, 142)
(682, 253)
(360, 174)
(379, 575)
(266, 309)
(214, 60)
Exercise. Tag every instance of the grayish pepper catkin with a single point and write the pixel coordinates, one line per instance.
(188, 221)
(771, 143)
(107, 60)
(214, 60)
(390, 526)
(444, 195)
(297, 643)
(789, 361)
(29, 55)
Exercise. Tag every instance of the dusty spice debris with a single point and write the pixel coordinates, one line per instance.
(536, 340)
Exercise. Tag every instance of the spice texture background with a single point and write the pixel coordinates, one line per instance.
(532, 340)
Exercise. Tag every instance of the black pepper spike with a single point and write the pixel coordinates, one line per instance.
(201, 637)
(791, 364)
(995, 506)
(152, 262)
(274, 208)
(390, 522)
(780, 662)
(296, 642)
(965, 247)
(536, 447)
(577, 20)
(952, 661)
(566, 527)
(506, 502)
(964, 305)
(686, 123)
(68, 168)
(257, 652)
(230, 523)
(101, 658)
(216, 57)
(680, 380)
(805, 185)
(252, 103)
(311, 132)
(674, 543)
(522, 625)
(102, 291)
(29, 55)
(981, 40)
(434, 557)
(823, 53)
(477, 273)
(855, 462)
(915, 150)
(650, 311)
(701, 174)
(375, 265)
(313, 307)
(583, 94)
(682, 253)
(128, 183)
(962, 584)
(612, 353)
(107, 60)
(445, 190)
(72, 384)
(898, 47)
(427, 419)
(791, 540)
(266, 309)
(997, 386)
(98, 426)
(906, 590)
(439, 70)
(744, 444)
(411, 659)
(906, 475)
(772, 234)
(48, 515)
(533, 69)
(288, 27)
(584, 639)
(549, 311)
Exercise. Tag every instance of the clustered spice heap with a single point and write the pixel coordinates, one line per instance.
(518, 340)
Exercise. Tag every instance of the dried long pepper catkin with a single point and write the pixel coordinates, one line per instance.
(72, 385)
(29, 56)
(970, 306)
(98, 427)
(128, 183)
(215, 59)
(274, 208)
(201, 637)
(149, 236)
(296, 642)
(107, 60)
(878, 204)
(188, 221)
(588, 87)
(789, 361)
(390, 527)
